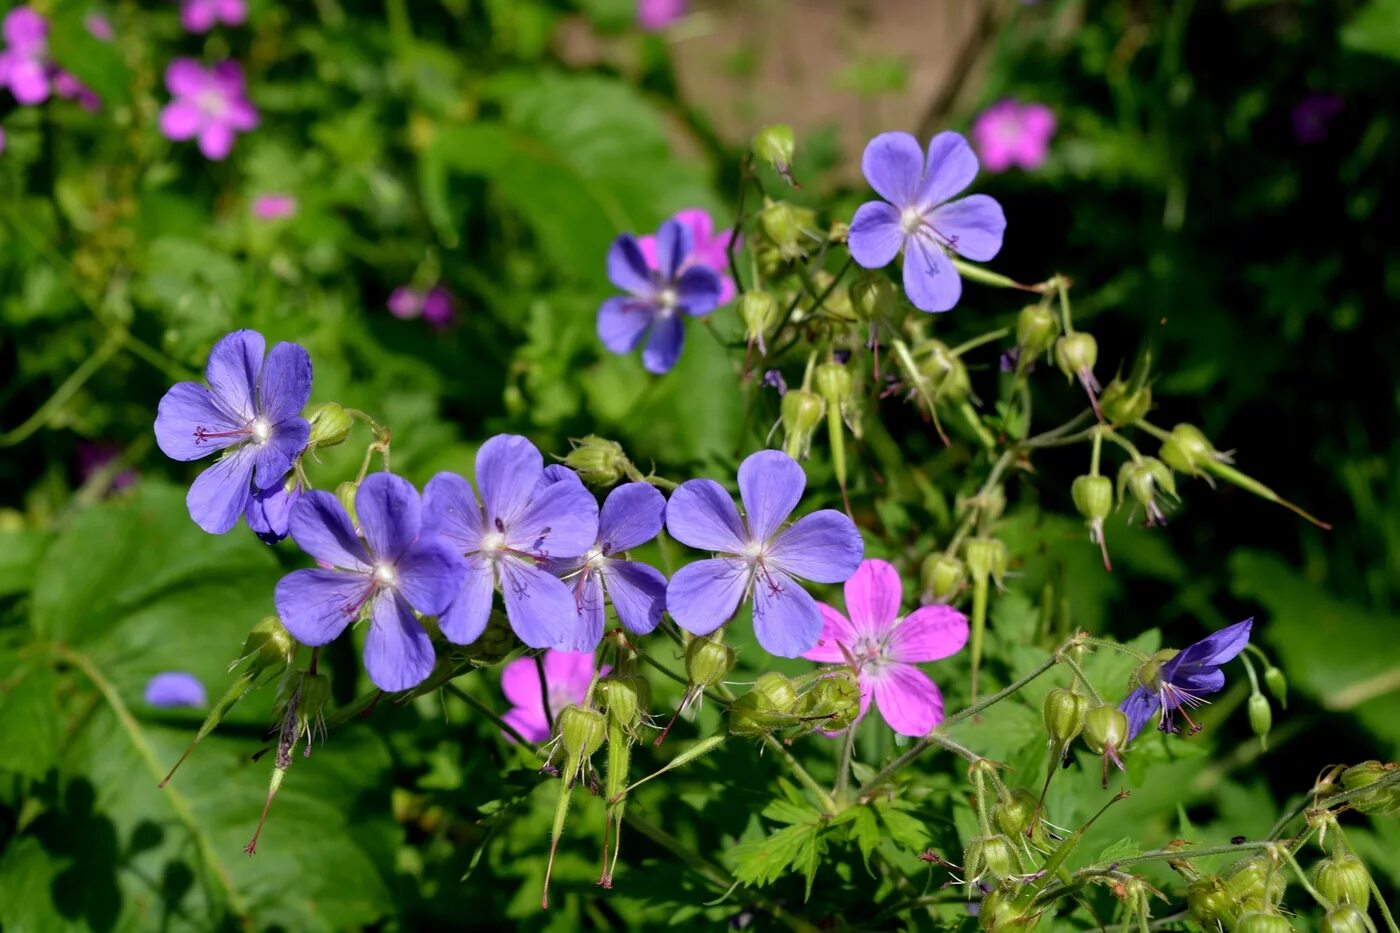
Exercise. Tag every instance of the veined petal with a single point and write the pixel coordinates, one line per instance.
(587, 592)
(560, 521)
(569, 670)
(929, 633)
(893, 163)
(450, 510)
(1140, 707)
(623, 321)
(530, 723)
(540, 608)
(186, 409)
(930, 280)
(219, 495)
(951, 167)
(876, 236)
(520, 683)
(873, 594)
(430, 575)
(702, 515)
(785, 616)
(1200, 682)
(673, 245)
(390, 514)
(908, 700)
(508, 467)
(698, 291)
(232, 372)
(1213, 650)
(274, 457)
(316, 605)
(398, 653)
(321, 527)
(465, 618)
(837, 632)
(973, 226)
(824, 546)
(770, 484)
(664, 345)
(627, 267)
(632, 515)
(703, 595)
(638, 593)
(284, 386)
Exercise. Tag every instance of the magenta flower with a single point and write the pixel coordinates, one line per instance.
(1012, 133)
(1313, 117)
(655, 15)
(760, 557)
(175, 688)
(204, 15)
(918, 218)
(883, 648)
(708, 248)
(1183, 679)
(24, 65)
(99, 27)
(658, 296)
(386, 569)
(567, 675)
(69, 87)
(436, 306)
(208, 104)
(274, 206)
(519, 524)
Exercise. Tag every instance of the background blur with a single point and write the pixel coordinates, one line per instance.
(1221, 184)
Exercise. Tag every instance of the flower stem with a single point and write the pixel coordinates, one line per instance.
(801, 774)
(486, 711)
(544, 692)
(1079, 672)
(843, 764)
(975, 342)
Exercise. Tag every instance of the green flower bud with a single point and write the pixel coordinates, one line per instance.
(1093, 496)
(874, 297)
(835, 384)
(1063, 712)
(581, 731)
(776, 145)
(598, 461)
(345, 494)
(1277, 684)
(1345, 919)
(982, 557)
(1105, 728)
(945, 372)
(1121, 403)
(1210, 904)
(1257, 921)
(833, 703)
(1076, 354)
(625, 699)
(1343, 879)
(268, 649)
(780, 223)
(1036, 330)
(765, 708)
(990, 857)
(330, 425)
(1000, 914)
(1256, 883)
(1261, 717)
(1365, 774)
(708, 661)
(802, 414)
(759, 311)
(1187, 450)
(1016, 812)
(1144, 479)
(943, 576)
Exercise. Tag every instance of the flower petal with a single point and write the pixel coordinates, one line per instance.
(1141, 707)
(541, 609)
(623, 321)
(673, 246)
(269, 513)
(836, 632)
(183, 410)
(216, 141)
(873, 594)
(632, 515)
(587, 593)
(529, 723)
(316, 605)
(951, 167)
(1200, 682)
(430, 575)
(908, 700)
(219, 495)
(698, 291)
(930, 280)
(561, 521)
(876, 235)
(181, 120)
(1213, 650)
(450, 510)
(570, 671)
(284, 386)
(703, 595)
(232, 372)
(785, 616)
(702, 515)
(321, 527)
(770, 484)
(274, 457)
(973, 226)
(463, 621)
(398, 652)
(627, 266)
(664, 346)
(893, 163)
(929, 633)
(508, 467)
(638, 593)
(185, 77)
(170, 689)
(390, 514)
(824, 546)
(520, 683)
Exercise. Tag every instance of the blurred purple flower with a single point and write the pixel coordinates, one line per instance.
(251, 410)
(519, 524)
(760, 557)
(883, 647)
(204, 15)
(655, 15)
(708, 248)
(207, 103)
(1183, 680)
(94, 456)
(1012, 133)
(1313, 116)
(395, 568)
(657, 298)
(567, 675)
(274, 206)
(917, 217)
(175, 688)
(774, 379)
(24, 62)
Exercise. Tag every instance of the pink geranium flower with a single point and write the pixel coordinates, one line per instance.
(204, 15)
(207, 103)
(435, 305)
(883, 647)
(708, 248)
(1012, 133)
(654, 15)
(274, 206)
(567, 675)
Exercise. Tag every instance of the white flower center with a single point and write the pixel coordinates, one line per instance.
(384, 574)
(667, 299)
(261, 430)
(492, 542)
(754, 551)
(595, 558)
(212, 103)
(910, 220)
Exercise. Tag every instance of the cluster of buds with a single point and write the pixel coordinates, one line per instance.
(827, 700)
(1247, 897)
(1067, 715)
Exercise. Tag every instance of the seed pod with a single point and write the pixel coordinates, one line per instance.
(1036, 330)
(1344, 918)
(802, 413)
(873, 297)
(780, 223)
(945, 372)
(1093, 496)
(1105, 728)
(493, 644)
(990, 857)
(1144, 478)
(1210, 903)
(943, 576)
(776, 145)
(1016, 812)
(1343, 879)
(833, 703)
(1000, 914)
(1122, 403)
(1064, 712)
(1365, 774)
(981, 556)
(1187, 450)
(268, 649)
(345, 495)
(598, 461)
(1258, 921)
(759, 312)
(581, 731)
(624, 699)
(1261, 717)
(834, 383)
(1076, 354)
(1256, 883)
(330, 425)
(764, 709)
(708, 661)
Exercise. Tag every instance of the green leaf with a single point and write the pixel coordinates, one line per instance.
(29, 719)
(1123, 848)
(768, 859)
(20, 549)
(1375, 29)
(904, 829)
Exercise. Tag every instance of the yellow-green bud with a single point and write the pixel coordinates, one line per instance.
(833, 703)
(1142, 478)
(991, 857)
(1343, 879)
(981, 556)
(1076, 354)
(874, 297)
(268, 649)
(330, 425)
(1105, 728)
(598, 461)
(1277, 684)
(1001, 914)
(945, 372)
(1211, 904)
(625, 700)
(1384, 800)
(781, 224)
(1036, 330)
(834, 383)
(1187, 450)
(802, 414)
(943, 576)
(1149, 674)
(1261, 717)
(1257, 921)
(1345, 919)
(1122, 404)
(776, 145)
(1063, 712)
(759, 312)
(708, 661)
(581, 730)
(1256, 883)
(1015, 812)
(1093, 496)
(768, 706)
(345, 494)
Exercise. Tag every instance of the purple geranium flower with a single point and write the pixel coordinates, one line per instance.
(269, 512)
(883, 647)
(920, 219)
(204, 15)
(760, 555)
(208, 103)
(175, 688)
(392, 570)
(657, 296)
(1173, 681)
(24, 62)
(251, 410)
(631, 516)
(708, 248)
(567, 675)
(1012, 133)
(519, 524)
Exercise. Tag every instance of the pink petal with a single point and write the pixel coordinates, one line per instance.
(930, 633)
(872, 597)
(836, 631)
(908, 700)
(216, 141)
(520, 682)
(180, 120)
(572, 669)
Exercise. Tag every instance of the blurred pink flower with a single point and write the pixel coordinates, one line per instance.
(69, 87)
(100, 27)
(208, 103)
(1012, 133)
(654, 15)
(24, 62)
(436, 306)
(204, 15)
(707, 247)
(566, 674)
(274, 206)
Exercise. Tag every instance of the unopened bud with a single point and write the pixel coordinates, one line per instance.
(1105, 728)
(1143, 479)
(345, 495)
(1000, 913)
(1036, 330)
(1210, 904)
(802, 413)
(1076, 354)
(990, 858)
(945, 372)
(330, 425)
(982, 558)
(1259, 921)
(708, 661)
(1382, 800)
(1345, 918)
(1277, 684)
(943, 576)
(625, 700)
(874, 297)
(1122, 403)
(581, 731)
(1256, 883)
(765, 708)
(1187, 450)
(833, 703)
(776, 145)
(782, 226)
(1093, 496)
(1261, 717)
(598, 461)
(834, 383)
(1015, 812)
(1343, 879)
(1064, 712)
(268, 649)
(759, 312)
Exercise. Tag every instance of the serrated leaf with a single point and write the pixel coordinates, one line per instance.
(784, 811)
(1123, 848)
(768, 859)
(905, 830)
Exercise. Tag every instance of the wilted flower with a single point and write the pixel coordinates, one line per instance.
(918, 218)
(708, 248)
(657, 298)
(1012, 133)
(761, 557)
(519, 524)
(204, 15)
(883, 647)
(1313, 116)
(207, 103)
(654, 15)
(175, 688)
(567, 675)
(1173, 681)
(251, 410)
(387, 569)
(274, 206)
